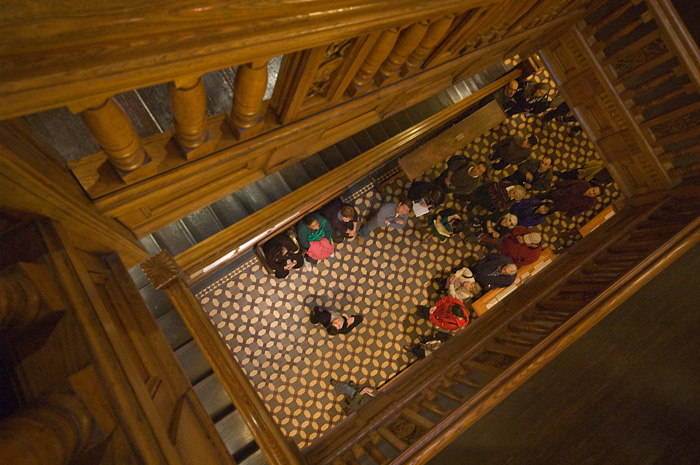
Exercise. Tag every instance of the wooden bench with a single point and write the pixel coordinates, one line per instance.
(492, 297)
(452, 139)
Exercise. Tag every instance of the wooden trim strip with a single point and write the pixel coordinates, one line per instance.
(267, 434)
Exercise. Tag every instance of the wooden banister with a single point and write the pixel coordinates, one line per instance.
(506, 347)
(164, 274)
(212, 253)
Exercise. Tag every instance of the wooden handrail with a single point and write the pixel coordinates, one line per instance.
(686, 49)
(461, 350)
(50, 61)
(163, 273)
(212, 253)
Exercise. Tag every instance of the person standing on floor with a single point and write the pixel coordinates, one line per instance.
(512, 150)
(283, 254)
(314, 234)
(523, 246)
(343, 219)
(495, 270)
(573, 196)
(355, 396)
(334, 322)
(533, 174)
(532, 212)
(389, 215)
(462, 176)
(462, 285)
(448, 313)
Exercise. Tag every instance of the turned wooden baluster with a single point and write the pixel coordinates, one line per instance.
(113, 130)
(189, 101)
(246, 117)
(20, 300)
(55, 431)
(405, 45)
(374, 60)
(436, 31)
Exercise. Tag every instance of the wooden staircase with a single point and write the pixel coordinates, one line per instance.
(436, 399)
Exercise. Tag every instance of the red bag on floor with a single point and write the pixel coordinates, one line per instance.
(320, 249)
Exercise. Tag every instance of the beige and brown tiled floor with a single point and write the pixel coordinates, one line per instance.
(265, 320)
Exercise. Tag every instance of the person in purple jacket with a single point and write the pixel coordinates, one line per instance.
(532, 212)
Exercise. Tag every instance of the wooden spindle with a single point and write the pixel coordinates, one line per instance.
(55, 431)
(246, 117)
(382, 48)
(189, 101)
(405, 45)
(685, 170)
(20, 300)
(113, 130)
(436, 31)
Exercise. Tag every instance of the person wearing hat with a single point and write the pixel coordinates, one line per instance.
(462, 285)
(492, 229)
(512, 150)
(523, 246)
(497, 196)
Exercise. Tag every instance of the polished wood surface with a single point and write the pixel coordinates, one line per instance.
(492, 297)
(445, 144)
(625, 392)
(216, 251)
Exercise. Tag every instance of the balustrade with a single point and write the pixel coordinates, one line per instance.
(246, 117)
(435, 33)
(407, 42)
(54, 431)
(112, 129)
(189, 102)
(381, 50)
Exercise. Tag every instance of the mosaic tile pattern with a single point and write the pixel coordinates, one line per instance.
(265, 321)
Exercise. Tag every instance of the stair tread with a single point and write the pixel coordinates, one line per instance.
(234, 432)
(212, 395)
(174, 329)
(193, 362)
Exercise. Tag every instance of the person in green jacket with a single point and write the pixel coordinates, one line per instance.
(313, 227)
(355, 397)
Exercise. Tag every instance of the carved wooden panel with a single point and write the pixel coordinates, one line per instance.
(640, 57)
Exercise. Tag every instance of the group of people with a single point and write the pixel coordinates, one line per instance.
(502, 214)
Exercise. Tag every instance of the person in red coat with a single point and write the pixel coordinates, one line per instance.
(573, 196)
(449, 313)
(523, 246)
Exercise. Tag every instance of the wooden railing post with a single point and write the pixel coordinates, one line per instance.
(436, 31)
(407, 42)
(189, 101)
(112, 129)
(246, 117)
(22, 303)
(374, 60)
(55, 431)
(164, 273)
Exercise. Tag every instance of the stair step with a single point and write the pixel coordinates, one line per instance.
(347, 149)
(274, 186)
(174, 329)
(157, 300)
(252, 198)
(390, 127)
(363, 141)
(175, 238)
(295, 176)
(213, 396)
(202, 224)
(229, 210)
(235, 433)
(256, 458)
(193, 362)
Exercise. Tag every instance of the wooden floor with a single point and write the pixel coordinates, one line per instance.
(627, 392)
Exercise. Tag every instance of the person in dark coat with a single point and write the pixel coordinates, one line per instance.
(495, 270)
(428, 194)
(532, 99)
(533, 174)
(573, 196)
(512, 150)
(497, 196)
(343, 219)
(334, 322)
(283, 254)
(462, 176)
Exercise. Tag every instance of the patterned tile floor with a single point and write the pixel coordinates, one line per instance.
(265, 321)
